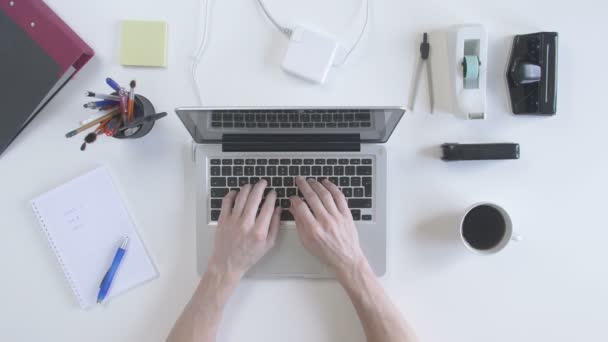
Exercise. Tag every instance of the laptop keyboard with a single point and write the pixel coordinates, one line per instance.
(352, 175)
(305, 118)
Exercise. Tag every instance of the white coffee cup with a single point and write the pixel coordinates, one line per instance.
(508, 236)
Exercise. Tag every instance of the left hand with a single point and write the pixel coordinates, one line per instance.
(242, 239)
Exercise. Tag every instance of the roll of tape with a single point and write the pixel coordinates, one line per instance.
(471, 68)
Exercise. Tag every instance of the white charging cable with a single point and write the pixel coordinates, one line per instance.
(363, 29)
(285, 30)
(196, 59)
(288, 31)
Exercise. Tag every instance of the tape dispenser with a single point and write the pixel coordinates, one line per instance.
(467, 54)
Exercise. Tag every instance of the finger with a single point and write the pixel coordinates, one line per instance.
(275, 223)
(326, 197)
(301, 213)
(241, 200)
(338, 197)
(311, 197)
(254, 200)
(262, 223)
(227, 204)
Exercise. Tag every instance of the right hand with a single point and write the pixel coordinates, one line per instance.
(329, 231)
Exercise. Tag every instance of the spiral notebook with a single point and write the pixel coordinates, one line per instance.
(85, 221)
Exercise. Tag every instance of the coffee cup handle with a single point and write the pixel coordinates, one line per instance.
(517, 238)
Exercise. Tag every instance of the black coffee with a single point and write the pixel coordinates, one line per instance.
(484, 227)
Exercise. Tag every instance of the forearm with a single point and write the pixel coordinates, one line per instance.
(380, 318)
(202, 316)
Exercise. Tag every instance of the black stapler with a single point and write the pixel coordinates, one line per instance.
(532, 74)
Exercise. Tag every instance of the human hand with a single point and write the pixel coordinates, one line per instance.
(242, 239)
(329, 231)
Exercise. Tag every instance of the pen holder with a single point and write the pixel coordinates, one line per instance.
(143, 108)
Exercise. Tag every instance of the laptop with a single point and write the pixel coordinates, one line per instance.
(237, 146)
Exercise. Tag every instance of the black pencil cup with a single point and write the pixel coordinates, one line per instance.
(143, 107)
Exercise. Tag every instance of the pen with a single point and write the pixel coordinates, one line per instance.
(92, 123)
(124, 101)
(131, 105)
(100, 104)
(108, 107)
(106, 282)
(102, 96)
(113, 84)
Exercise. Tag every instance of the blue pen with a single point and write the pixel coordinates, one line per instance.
(100, 104)
(113, 84)
(106, 282)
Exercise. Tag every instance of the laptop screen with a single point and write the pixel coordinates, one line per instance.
(373, 125)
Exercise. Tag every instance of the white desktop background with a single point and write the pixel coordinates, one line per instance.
(549, 287)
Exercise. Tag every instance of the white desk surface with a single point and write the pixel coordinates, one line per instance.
(550, 287)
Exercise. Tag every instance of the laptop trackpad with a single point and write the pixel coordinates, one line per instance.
(288, 258)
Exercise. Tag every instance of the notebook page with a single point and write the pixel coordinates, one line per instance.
(86, 221)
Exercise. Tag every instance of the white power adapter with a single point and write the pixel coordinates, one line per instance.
(310, 55)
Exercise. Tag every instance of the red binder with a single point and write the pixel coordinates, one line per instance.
(39, 54)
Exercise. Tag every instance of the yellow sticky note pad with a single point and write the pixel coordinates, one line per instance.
(143, 43)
